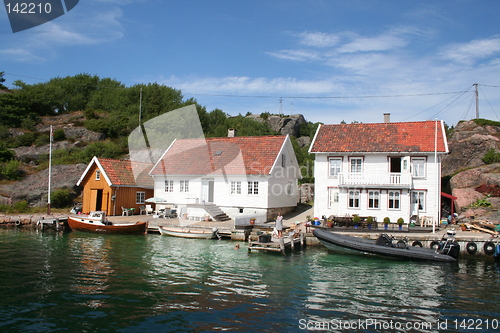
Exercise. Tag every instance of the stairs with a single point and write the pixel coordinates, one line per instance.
(214, 211)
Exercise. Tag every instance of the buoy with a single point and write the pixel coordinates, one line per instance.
(416, 244)
(471, 248)
(489, 248)
(17, 223)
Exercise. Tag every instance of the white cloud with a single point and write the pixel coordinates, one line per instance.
(81, 28)
(318, 39)
(469, 52)
(296, 55)
(368, 44)
(250, 86)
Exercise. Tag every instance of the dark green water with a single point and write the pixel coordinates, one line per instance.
(77, 282)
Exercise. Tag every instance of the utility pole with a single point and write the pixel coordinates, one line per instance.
(477, 102)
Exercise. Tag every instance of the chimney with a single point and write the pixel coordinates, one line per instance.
(231, 133)
(387, 117)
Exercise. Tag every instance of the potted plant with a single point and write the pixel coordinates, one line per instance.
(387, 220)
(369, 222)
(400, 223)
(356, 219)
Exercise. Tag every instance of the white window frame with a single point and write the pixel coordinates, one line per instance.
(356, 164)
(253, 188)
(235, 187)
(169, 185)
(354, 199)
(419, 197)
(140, 197)
(184, 186)
(98, 175)
(334, 170)
(418, 167)
(373, 199)
(395, 197)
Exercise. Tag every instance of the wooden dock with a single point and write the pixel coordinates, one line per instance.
(277, 244)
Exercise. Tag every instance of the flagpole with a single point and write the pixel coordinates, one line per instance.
(50, 168)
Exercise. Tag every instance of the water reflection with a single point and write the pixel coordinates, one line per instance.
(82, 282)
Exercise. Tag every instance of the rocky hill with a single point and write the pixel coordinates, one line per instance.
(475, 183)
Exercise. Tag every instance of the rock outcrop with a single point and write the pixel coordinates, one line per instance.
(34, 187)
(470, 175)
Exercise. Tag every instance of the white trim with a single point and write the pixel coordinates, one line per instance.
(103, 172)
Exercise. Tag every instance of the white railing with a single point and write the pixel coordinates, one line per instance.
(377, 179)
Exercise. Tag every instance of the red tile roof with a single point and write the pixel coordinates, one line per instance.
(122, 172)
(380, 137)
(250, 155)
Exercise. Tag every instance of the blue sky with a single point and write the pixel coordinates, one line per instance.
(417, 59)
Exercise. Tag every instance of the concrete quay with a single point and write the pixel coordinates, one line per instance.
(472, 244)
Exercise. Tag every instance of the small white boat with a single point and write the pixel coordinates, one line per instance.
(188, 232)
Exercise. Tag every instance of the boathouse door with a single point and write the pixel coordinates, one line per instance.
(96, 199)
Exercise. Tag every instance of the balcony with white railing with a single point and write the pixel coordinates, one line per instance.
(379, 180)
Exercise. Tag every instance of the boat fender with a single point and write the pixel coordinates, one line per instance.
(489, 248)
(434, 245)
(401, 244)
(17, 223)
(416, 244)
(471, 248)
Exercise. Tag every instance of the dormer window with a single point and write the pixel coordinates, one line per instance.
(98, 175)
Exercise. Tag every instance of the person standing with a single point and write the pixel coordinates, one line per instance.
(279, 225)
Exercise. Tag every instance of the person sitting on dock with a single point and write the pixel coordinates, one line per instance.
(279, 225)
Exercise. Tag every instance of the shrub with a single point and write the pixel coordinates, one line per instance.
(401, 221)
(59, 135)
(10, 170)
(387, 220)
(21, 206)
(61, 198)
(491, 156)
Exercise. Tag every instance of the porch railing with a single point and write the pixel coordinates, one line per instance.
(375, 179)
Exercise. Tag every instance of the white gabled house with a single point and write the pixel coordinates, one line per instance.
(241, 176)
(380, 170)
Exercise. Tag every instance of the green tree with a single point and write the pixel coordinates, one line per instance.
(2, 80)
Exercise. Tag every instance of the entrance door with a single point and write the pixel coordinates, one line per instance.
(333, 200)
(207, 191)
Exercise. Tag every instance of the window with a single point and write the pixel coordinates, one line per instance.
(394, 200)
(169, 185)
(354, 199)
(283, 160)
(140, 197)
(253, 187)
(356, 164)
(418, 167)
(335, 167)
(98, 175)
(374, 199)
(418, 199)
(235, 187)
(184, 186)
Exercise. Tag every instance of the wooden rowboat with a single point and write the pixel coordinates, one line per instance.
(96, 222)
(186, 232)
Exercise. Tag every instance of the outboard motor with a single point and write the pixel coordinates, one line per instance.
(448, 245)
(384, 240)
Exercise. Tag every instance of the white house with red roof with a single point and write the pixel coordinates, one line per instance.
(237, 176)
(379, 169)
